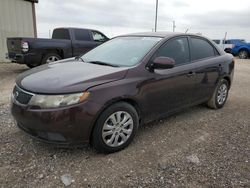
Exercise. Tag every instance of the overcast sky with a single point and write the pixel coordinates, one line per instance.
(211, 18)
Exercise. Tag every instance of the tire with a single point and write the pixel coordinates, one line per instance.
(220, 95)
(243, 54)
(107, 137)
(31, 66)
(51, 57)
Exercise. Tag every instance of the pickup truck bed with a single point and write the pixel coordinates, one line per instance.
(37, 49)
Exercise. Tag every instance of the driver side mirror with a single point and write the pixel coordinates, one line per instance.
(162, 63)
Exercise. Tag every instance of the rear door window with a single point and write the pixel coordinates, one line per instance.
(61, 34)
(81, 34)
(201, 49)
(177, 49)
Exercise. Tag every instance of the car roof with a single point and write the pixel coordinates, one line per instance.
(160, 34)
(169, 35)
(72, 28)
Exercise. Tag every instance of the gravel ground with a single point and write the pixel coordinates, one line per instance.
(199, 147)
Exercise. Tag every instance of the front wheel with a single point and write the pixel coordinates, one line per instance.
(115, 128)
(220, 95)
(243, 54)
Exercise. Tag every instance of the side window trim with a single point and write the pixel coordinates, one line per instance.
(189, 49)
(216, 53)
(194, 61)
(173, 38)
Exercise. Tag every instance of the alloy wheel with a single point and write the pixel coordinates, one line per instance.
(222, 94)
(117, 128)
(52, 59)
(243, 54)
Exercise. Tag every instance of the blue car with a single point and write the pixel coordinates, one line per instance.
(241, 48)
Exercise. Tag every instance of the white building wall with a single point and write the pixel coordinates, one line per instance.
(15, 21)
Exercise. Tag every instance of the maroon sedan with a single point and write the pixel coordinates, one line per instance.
(103, 96)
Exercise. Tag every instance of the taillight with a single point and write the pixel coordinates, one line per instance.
(25, 46)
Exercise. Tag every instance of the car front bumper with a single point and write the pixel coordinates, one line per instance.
(68, 125)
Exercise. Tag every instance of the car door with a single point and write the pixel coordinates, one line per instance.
(206, 59)
(169, 90)
(82, 42)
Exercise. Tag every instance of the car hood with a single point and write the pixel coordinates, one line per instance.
(68, 76)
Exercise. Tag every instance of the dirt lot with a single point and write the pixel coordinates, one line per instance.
(199, 147)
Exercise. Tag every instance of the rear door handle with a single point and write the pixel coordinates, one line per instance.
(190, 74)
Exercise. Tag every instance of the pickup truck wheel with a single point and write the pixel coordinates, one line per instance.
(243, 54)
(51, 57)
(31, 65)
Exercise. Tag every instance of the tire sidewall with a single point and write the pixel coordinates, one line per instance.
(223, 81)
(243, 51)
(31, 65)
(97, 139)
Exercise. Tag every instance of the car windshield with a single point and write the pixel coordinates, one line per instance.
(121, 51)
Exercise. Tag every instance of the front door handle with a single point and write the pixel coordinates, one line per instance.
(190, 74)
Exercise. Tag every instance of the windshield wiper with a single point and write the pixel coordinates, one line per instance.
(102, 63)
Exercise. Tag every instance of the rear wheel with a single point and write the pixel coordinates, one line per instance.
(51, 57)
(31, 66)
(115, 128)
(220, 95)
(243, 54)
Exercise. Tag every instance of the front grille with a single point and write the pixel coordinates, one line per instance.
(21, 96)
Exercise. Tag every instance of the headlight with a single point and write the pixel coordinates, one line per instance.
(53, 101)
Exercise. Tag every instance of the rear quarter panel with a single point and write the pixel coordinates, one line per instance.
(227, 70)
(42, 46)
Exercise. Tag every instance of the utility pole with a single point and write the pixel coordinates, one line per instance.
(174, 26)
(225, 37)
(156, 14)
(224, 41)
